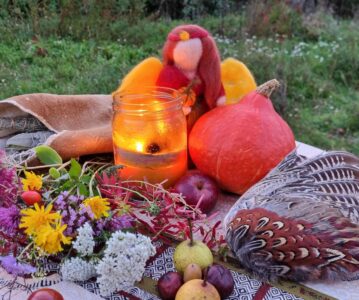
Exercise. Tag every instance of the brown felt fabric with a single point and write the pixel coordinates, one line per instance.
(82, 123)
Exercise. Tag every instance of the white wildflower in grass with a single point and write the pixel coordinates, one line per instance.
(84, 243)
(124, 261)
(77, 269)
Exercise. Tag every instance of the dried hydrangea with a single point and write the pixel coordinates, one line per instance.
(124, 261)
(84, 243)
(77, 269)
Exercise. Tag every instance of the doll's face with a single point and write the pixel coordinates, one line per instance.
(187, 54)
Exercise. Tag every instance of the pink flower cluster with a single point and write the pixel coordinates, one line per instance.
(9, 184)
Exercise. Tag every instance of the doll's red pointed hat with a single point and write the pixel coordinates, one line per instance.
(186, 32)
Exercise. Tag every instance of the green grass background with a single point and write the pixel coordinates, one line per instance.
(316, 58)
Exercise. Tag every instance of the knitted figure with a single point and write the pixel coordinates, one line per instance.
(192, 66)
(191, 60)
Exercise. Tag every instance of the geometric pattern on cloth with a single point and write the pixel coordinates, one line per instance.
(132, 293)
(277, 294)
(161, 265)
(246, 287)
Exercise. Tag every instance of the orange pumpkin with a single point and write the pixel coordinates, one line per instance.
(239, 144)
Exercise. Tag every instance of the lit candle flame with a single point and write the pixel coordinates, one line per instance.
(139, 146)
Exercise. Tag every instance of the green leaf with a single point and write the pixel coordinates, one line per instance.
(54, 173)
(69, 184)
(83, 189)
(75, 170)
(86, 179)
(47, 155)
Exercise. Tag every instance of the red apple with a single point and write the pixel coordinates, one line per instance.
(169, 284)
(195, 186)
(31, 197)
(45, 294)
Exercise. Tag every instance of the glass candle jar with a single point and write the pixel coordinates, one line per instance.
(150, 136)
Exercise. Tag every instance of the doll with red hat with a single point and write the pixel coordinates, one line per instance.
(191, 59)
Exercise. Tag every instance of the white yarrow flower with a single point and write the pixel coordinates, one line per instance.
(77, 269)
(124, 261)
(84, 243)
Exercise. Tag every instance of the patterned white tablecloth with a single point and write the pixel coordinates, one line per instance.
(247, 288)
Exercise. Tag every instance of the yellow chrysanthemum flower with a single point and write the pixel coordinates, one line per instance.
(49, 238)
(99, 206)
(33, 218)
(31, 182)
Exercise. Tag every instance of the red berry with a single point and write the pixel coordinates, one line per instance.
(45, 294)
(31, 197)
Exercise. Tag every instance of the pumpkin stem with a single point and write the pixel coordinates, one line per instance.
(267, 88)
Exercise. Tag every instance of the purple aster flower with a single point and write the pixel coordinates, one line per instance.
(84, 209)
(72, 199)
(74, 213)
(9, 184)
(99, 226)
(10, 219)
(13, 267)
(119, 222)
(112, 224)
(60, 202)
(82, 219)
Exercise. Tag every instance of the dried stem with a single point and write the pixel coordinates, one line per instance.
(205, 274)
(267, 88)
(190, 232)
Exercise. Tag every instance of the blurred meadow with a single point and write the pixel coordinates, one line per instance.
(87, 46)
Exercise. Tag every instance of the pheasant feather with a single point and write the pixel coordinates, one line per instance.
(301, 222)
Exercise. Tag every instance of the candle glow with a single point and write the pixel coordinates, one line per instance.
(139, 147)
(151, 142)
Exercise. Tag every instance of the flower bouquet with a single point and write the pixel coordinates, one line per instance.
(87, 220)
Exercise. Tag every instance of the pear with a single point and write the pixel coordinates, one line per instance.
(192, 271)
(192, 252)
(197, 289)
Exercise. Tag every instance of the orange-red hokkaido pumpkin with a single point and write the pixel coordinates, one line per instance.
(239, 144)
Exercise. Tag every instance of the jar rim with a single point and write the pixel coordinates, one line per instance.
(126, 101)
